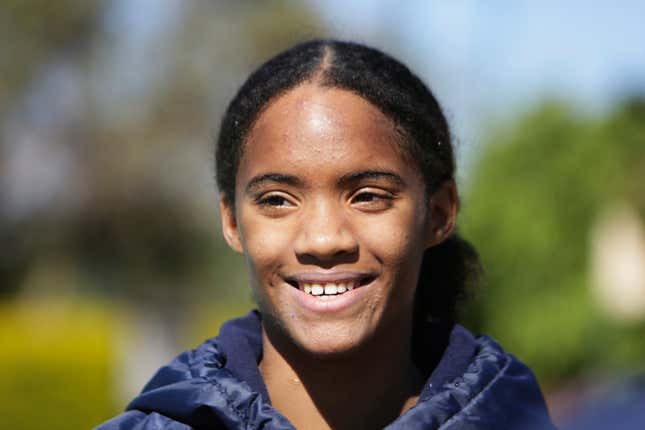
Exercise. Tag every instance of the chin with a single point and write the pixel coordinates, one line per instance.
(328, 349)
(328, 341)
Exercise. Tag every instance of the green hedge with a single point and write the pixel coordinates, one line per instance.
(56, 365)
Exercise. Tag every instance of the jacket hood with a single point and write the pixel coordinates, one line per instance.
(474, 385)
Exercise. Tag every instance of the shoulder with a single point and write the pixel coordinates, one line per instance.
(492, 390)
(503, 390)
(164, 397)
(201, 362)
(196, 390)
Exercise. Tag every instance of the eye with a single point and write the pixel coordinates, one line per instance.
(274, 201)
(372, 200)
(365, 197)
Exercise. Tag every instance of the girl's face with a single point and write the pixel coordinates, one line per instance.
(332, 218)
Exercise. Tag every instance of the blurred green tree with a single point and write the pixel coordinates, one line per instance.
(529, 208)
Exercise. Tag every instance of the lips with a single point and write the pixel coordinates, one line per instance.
(329, 284)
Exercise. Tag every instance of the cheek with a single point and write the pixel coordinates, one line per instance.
(265, 250)
(397, 242)
(266, 246)
(394, 239)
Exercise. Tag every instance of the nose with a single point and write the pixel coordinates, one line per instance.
(325, 236)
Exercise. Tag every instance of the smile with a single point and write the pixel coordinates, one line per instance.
(328, 289)
(328, 293)
(323, 285)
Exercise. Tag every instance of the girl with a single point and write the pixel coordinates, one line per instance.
(336, 172)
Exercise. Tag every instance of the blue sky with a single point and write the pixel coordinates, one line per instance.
(486, 60)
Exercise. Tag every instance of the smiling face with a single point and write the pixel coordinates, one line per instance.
(333, 220)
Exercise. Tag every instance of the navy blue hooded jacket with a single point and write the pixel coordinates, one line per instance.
(474, 385)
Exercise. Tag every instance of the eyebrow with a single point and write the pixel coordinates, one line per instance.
(371, 174)
(280, 178)
(348, 178)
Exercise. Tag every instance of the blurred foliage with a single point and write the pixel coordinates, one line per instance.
(137, 216)
(207, 318)
(106, 150)
(134, 217)
(56, 362)
(33, 31)
(533, 197)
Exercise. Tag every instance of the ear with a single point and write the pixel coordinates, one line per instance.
(442, 213)
(229, 225)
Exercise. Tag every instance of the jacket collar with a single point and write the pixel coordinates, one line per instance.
(474, 385)
(443, 350)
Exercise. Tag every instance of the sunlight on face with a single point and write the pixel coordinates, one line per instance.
(332, 220)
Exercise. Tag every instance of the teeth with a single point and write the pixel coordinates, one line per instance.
(328, 289)
(331, 289)
(317, 290)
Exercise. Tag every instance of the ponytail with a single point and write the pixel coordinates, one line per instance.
(448, 272)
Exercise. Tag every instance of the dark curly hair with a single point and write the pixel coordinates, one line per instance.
(449, 267)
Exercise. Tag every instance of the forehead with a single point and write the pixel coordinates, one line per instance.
(316, 128)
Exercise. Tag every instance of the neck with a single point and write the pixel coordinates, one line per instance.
(365, 389)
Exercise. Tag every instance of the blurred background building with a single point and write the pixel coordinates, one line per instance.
(111, 247)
